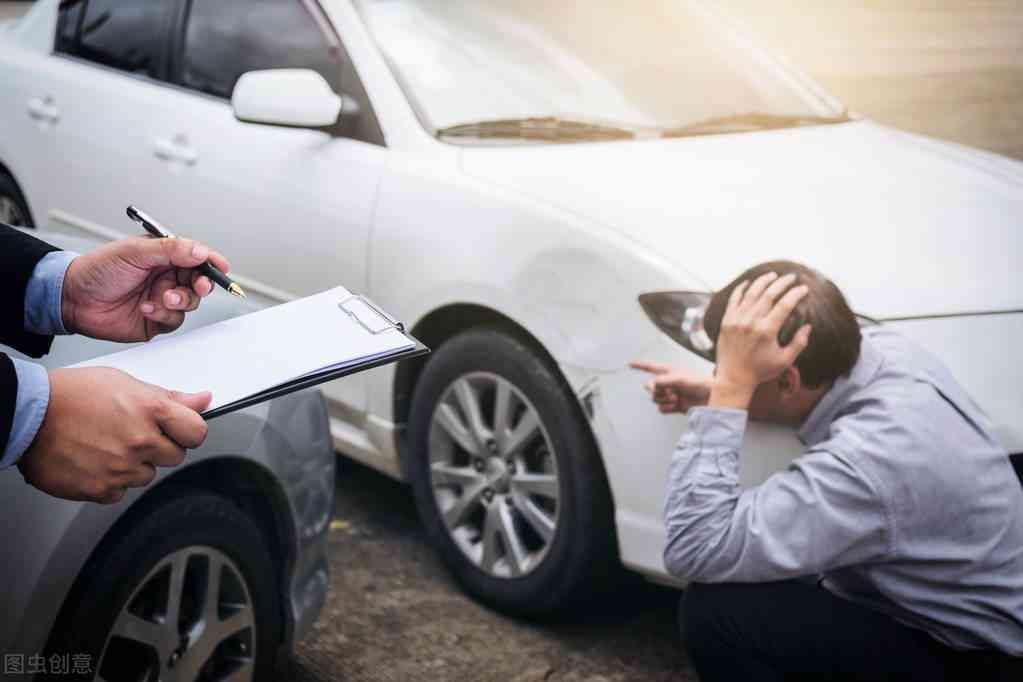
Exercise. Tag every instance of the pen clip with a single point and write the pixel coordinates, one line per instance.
(149, 224)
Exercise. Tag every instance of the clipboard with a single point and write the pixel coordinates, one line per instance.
(315, 380)
(271, 352)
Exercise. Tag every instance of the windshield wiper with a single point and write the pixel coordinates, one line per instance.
(553, 128)
(748, 122)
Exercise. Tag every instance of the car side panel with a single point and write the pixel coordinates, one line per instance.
(441, 239)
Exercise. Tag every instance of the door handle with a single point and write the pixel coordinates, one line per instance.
(176, 149)
(43, 109)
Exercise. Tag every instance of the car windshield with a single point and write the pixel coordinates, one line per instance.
(569, 71)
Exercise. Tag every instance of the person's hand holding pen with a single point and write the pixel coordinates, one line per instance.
(103, 431)
(136, 288)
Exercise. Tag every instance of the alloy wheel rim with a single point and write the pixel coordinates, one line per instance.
(10, 212)
(190, 619)
(494, 474)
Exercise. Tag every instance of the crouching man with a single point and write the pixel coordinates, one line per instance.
(892, 548)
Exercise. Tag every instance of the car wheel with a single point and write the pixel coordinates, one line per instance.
(13, 207)
(507, 479)
(187, 593)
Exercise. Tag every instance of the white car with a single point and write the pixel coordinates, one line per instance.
(508, 177)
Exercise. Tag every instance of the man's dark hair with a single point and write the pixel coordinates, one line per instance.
(835, 339)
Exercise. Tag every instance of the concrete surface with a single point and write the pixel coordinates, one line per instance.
(394, 614)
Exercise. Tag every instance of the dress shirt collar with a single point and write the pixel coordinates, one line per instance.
(816, 429)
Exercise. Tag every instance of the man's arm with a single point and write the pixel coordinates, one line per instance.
(820, 514)
(24, 386)
(19, 255)
(89, 434)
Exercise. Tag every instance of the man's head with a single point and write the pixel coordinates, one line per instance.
(833, 349)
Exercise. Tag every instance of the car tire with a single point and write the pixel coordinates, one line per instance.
(121, 621)
(580, 555)
(13, 207)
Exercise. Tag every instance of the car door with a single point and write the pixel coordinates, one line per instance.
(291, 208)
(89, 103)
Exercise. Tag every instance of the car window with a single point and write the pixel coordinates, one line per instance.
(128, 35)
(226, 38)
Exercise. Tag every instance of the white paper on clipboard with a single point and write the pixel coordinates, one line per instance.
(247, 355)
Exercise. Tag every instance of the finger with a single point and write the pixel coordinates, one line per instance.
(649, 386)
(652, 367)
(757, 289)
(197, 402)
(181, 298)
(798, 344)
(180, 418)
(163, 321)
(164, 282)
(218, 261)
(775, 290)
(736, 297)
(165, 452)
(141, 476)
(201, 284)
(112, 496)
(783, 308)
(176, 251)
(667, 399)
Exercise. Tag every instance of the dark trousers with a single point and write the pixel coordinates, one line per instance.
(796, 630)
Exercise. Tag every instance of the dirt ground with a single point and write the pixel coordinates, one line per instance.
(394, 614)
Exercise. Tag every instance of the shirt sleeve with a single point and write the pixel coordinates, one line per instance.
(819, 514)
(29, 409)
(43, 294)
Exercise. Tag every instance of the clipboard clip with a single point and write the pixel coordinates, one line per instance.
(357, 306)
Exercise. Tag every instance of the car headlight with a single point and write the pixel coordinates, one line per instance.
(679, 314)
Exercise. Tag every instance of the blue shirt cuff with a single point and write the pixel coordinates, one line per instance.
(29, 409)
(43, 294)
(717, 427)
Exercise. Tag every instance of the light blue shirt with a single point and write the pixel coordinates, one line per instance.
(903, 502)
(42, 316)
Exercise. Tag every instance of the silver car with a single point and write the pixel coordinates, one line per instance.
(207, 574)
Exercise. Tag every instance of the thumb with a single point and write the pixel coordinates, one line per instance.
(798, 343)
(197, 402)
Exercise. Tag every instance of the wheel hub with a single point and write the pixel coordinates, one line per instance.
(191, 616)
(500, 477)
(494, 474)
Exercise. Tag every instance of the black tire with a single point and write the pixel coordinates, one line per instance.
(582, 556)
(9, 191)
(122, 563)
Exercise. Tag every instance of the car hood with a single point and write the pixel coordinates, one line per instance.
(905, 225)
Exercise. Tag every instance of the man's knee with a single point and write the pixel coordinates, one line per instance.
(704, 614)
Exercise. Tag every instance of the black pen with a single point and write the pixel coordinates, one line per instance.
(160, 232)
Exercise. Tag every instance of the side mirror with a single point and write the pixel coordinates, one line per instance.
(299, 98)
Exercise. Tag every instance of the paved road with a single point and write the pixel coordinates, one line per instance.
(394, 614)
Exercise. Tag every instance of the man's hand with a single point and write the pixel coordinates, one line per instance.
(748, 353)
(674, 390)
(136, 288)
(105, 432)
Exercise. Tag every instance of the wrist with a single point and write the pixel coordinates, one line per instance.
(731, 394)
(67, 299)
